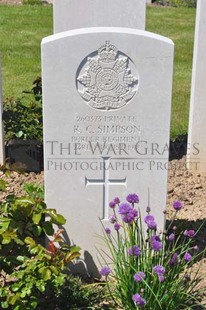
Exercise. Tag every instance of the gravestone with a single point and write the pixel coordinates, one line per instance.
(196, 154)
(106, 103)
(2, 147)
(73, 14)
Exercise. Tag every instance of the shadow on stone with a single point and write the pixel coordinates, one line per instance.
(178, 147)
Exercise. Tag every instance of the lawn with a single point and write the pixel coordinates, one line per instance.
(23, 27)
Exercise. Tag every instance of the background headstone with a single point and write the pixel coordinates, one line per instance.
(106, 103)
(2, 146)
(196, 154)
(73, 14)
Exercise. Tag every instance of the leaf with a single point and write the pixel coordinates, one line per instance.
(30, 241)
(75, 248)
(71, 256)
(34, 250)
(15, 287)
(54, 270)
(4, 304)
(48, 228)
(37, 230)
(24, 201)
(40, 286)
(57, 218)
(59, 239)
(6, 240)
(45, 273)
(3, 185)
(19, 134)
(36, 218)
(34, 304)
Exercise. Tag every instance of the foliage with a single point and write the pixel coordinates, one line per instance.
(178, 3)
(76, 294)
(32, 2)
(3, 185)
(36, 90)
(30, 272)
(23, 117)
(152, 270)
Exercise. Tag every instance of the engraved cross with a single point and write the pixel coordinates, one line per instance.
(105, 182)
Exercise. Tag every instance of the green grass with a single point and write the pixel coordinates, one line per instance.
(21, 31)
(179, 25)
(23, 27)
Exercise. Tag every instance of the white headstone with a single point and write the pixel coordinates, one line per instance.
(107, 100)
(196, 154)
(73, 14)
(2, 147)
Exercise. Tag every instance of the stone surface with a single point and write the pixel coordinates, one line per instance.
(73, 14)
(106, 126)
(2, 147)
(196, 156)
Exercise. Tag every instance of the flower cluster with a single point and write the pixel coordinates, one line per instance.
(134, 251)
(159, 270)
(138, 300)
(150, 221)
(147, 261)
(128, 213)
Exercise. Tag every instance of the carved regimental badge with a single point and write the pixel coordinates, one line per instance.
(105, 80)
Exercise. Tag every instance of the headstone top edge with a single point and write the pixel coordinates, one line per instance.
(90, 30)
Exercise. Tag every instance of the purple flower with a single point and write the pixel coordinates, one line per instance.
(105, 271)
(112, 219)
(196, 248)
(171, 237)
(148, 209)
(130, 216)
(127, 212)
(161, 278)
(159, 270)
(174, 260)
(152, 225)
(139, 276)
(112, 204)
(149, 218)
(116, 200)
(134, 212)
(116, 226)
(138, 300)
(177, 205)
(124, 208)
(156, 243)
(189, 233)
(132, 198)
(134, 250)
(187, 257)
(108, 230)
